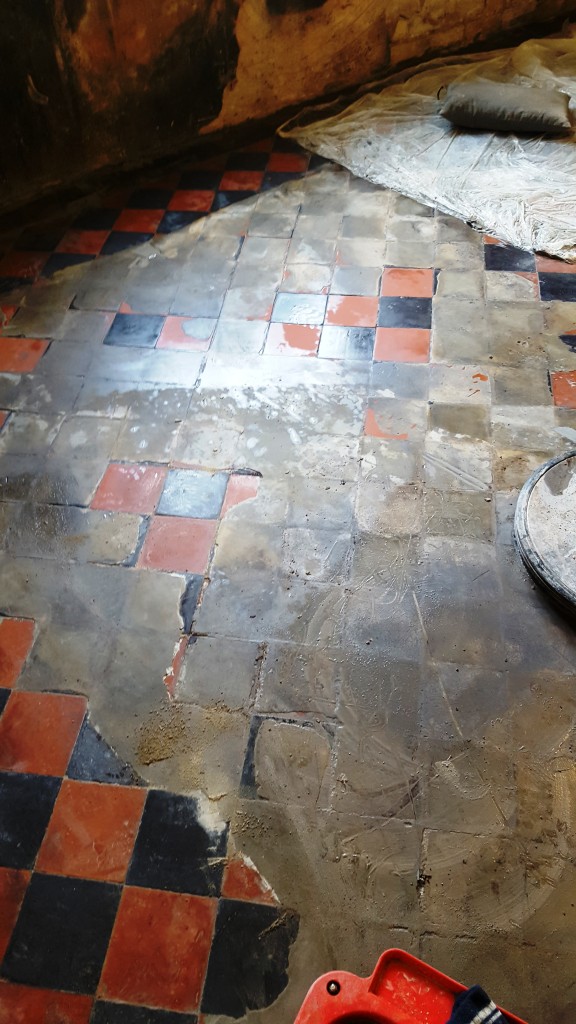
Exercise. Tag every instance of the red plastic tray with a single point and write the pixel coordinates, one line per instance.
(402, 990)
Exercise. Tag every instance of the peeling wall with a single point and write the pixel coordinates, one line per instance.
(90, 84)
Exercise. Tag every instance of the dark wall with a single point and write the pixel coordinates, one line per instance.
(284, 6)
(92, 83)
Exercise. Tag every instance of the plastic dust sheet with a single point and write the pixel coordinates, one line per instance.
(521, 189)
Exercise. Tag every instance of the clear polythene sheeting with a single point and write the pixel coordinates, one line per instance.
(519, 188)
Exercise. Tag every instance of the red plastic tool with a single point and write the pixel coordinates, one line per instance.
(402, 990)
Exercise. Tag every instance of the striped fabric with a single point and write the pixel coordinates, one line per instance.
(475, 1007)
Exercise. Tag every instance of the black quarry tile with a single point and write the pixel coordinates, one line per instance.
(93, 760)
(174, 850)
(62, 934)
(26, 803)
(248, 966)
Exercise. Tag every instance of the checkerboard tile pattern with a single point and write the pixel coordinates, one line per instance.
(180, 509)
(127, 218)
(90, 859)
(96, 381)
(370, 313)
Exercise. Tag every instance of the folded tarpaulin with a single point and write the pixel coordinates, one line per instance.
(519, 188)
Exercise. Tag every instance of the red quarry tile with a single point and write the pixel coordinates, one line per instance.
(22, 1005)
(4, 414)
(174, 544)
(173, 672)
(292, 340)
(372, 428)
(12, 888)
(129, 487)
(22, 264)
(138, 220)
(20, 355)
(240, 488)
(262, 146)
(16, 639)
(167, 969)
(402, 345)
(406, 283)
(564, 388)
(89, 242)
(250, 181)
(38, 731)
(6, 314)
(288, 162)
(243, 881)
(549, 265)
(92, 831)
(352, 310)
(199, 200)
(186, 334)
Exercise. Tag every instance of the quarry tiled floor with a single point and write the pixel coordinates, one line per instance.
(261, 436)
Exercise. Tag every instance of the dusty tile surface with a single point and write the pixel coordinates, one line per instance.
(263, 629)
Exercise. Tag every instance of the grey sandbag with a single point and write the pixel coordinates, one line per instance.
(492, 106)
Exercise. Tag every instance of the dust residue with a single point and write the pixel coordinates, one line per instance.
(162, 736)
(173, 729)
(189, 748)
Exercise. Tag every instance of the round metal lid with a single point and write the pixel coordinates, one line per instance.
(545, 527)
